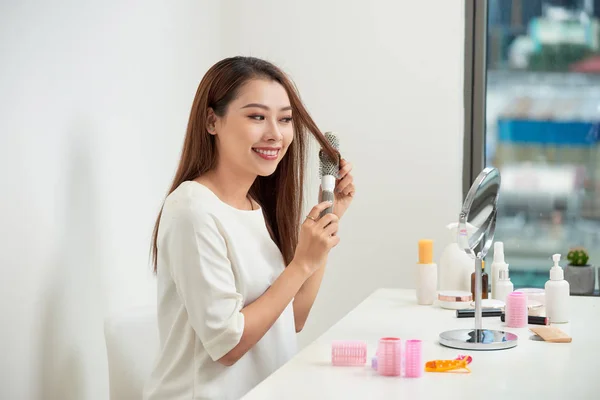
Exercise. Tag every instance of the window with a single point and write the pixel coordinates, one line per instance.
(532, 110)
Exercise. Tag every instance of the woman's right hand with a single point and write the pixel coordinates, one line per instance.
(317, 238)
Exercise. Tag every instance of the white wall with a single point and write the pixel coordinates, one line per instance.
(94, 100)
(388, 76)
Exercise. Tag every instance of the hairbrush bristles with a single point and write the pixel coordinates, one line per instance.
(332, 139)
(327, 166)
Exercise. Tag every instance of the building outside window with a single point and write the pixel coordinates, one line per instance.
(540, 127)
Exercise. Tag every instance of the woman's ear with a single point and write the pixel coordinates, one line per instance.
(211, 121)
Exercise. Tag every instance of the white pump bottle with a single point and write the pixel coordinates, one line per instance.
(557, 294)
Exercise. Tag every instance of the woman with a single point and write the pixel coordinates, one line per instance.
(237, 269)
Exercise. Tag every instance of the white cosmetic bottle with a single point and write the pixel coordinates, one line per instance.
(557, 294)
(455, 265)
(498, 265)
(426, 274)
(504, 286)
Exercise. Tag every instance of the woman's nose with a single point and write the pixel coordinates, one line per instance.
(273, 132)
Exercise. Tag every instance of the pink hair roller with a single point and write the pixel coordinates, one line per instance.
(413, 362)
(348, 353)
(516, 310)
(389, 356)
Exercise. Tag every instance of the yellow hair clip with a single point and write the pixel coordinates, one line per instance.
(447, 365)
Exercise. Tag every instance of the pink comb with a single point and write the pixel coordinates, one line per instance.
(413, 362)
(516, 310)
(389, 356)
(348, 353)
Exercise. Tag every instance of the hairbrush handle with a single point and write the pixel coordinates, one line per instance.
(327, 195)
(329, 169)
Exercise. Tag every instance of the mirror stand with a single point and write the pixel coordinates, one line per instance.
(478, 338)
(480, 204)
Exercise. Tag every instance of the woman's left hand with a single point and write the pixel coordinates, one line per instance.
(344, 189)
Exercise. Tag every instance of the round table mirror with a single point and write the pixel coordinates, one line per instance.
(479, 210)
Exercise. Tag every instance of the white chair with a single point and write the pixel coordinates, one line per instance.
(132, 346)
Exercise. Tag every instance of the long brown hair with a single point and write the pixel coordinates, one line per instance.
(280, 194)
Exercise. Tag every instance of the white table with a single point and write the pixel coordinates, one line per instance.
(532, 370)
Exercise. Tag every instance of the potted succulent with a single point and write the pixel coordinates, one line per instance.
(580, 275)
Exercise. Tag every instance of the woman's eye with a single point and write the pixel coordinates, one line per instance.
(287, 119)
(257, 117)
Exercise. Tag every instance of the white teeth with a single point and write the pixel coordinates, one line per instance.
(267, 152)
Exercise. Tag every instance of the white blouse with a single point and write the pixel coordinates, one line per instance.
(213, 260)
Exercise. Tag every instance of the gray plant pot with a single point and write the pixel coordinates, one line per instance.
(582, 280)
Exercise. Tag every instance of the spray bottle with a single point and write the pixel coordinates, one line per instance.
(498, 265)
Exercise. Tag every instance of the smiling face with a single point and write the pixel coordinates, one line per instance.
(256, 130)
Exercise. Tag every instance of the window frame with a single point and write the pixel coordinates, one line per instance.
(475, 88)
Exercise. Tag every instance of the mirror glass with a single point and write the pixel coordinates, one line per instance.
(477, 220)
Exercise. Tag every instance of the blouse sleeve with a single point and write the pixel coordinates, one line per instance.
(202, 272)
